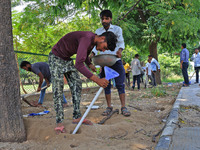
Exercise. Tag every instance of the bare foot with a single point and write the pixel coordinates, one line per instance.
(85, 121)
(60, 128)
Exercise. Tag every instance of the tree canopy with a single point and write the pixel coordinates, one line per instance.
(147, 25)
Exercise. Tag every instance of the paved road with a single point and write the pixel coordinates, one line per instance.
(185, 138)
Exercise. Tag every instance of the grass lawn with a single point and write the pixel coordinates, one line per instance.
(173, 79)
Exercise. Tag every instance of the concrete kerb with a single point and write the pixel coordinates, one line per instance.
(166, 136)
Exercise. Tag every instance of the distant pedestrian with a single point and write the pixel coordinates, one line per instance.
(149, 71)
(136, 71)
(196, 58)
(127, 78)
(184, 63)
(154, 65)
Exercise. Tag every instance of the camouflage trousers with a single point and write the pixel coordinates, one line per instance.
(58, 68)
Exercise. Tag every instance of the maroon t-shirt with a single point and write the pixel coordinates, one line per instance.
(80, 43)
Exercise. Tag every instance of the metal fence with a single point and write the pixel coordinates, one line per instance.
(28, 80)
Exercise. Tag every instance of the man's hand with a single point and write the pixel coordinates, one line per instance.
(101, 82)
(119, 53)
(39, 89)
(181, 66)
(92, 67)
(48, 84)
(176, 53)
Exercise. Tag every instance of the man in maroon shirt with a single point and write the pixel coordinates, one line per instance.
(80, 43)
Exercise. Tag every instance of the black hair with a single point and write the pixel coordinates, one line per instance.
(184, 45)
(106, 13)
(24, 63)
(150, 56)
(136, 55)
(111, 40)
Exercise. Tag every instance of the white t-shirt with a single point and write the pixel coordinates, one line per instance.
(148, 65)
(120, 40)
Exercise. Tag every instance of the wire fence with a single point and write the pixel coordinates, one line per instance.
(29, 81)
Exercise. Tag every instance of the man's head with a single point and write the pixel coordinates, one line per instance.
(196, 50)
(149, 60)
(25, 65)
(106, 41)
(150, 57)
(183, 46)
(106, 18)
(137, 56)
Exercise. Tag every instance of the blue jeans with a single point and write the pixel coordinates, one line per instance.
(42, 94)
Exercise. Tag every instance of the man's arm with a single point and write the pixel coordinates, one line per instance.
(120, 42)
(41, 77)
(192, 58)
(157, 64)
(139, 65)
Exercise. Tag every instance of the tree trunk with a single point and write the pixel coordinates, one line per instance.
(11, 120)
(153, 52)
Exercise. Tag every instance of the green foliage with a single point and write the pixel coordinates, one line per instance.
(173, 79)
(167, 22)
(158, 91)
(170, 65)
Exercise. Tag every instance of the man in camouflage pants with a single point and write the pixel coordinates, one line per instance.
(59, 67)
(80, 43)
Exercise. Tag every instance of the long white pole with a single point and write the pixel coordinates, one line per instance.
(87, 111)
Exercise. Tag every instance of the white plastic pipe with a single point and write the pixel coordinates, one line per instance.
(87, 111)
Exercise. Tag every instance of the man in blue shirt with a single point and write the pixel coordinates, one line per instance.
(154, 65)
(184, 63)
(42, 70)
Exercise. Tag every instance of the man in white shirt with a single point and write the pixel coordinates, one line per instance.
(148, 70)
(154, 65)
(196, 58)
(106, 18)
(136, 71)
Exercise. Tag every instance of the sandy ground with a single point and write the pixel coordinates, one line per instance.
(118, 133)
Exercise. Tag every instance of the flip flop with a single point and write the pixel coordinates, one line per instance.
(85, 122)
(125, 112)
(107, 111)
(60, 129)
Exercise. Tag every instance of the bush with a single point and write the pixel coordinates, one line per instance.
(158, 91)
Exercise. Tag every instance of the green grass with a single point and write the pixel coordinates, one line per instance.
(158, 91)
(173, 79)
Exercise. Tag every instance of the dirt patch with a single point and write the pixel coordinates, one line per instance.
(119, 132)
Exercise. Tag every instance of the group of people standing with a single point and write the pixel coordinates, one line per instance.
(151, 67)
(184, 63)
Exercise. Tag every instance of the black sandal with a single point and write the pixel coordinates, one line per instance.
(125, 112)
(107, 111)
